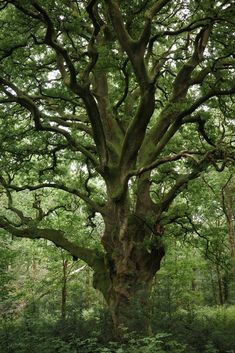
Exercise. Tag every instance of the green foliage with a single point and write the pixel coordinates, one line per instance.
(109, 123)
(210, 330)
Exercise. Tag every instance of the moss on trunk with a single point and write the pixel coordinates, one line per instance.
(125, 278)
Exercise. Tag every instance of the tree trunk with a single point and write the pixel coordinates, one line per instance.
(220, 286)
(133, 258)
(64, 290)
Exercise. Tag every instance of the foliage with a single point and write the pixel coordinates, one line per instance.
(210, 330)
(111, 131)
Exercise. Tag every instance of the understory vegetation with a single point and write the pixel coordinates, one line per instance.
(209, 331)
(45, 308)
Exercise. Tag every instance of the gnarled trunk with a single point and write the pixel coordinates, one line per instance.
(133, 258)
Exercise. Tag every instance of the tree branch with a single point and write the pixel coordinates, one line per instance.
(25, 101)
(134, 49)
(61, 52)
(181, 183)
(91, 257)
(183, 78)
(203, 99)
(81, 195)
(71, 81)
(167, 159)
(136, 130)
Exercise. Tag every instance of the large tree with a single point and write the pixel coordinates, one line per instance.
(120, 104)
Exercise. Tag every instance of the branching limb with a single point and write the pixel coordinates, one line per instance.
(75, 123)
(181, 183)
(200, 77)
(8, 52)
(25, 101)
(136, 130)
(227, 192)
(92, 257)
(203, 99)
(170, 118)
(76, 192)
(167, 159)
(134, 49)
(20, 215)
(161, 134)
(209, 158)
(183, 78)
(92, 51)
(62, 54)
(201, 127)
(26, 220)
(69, 75)
(94, 16)
(126, 89)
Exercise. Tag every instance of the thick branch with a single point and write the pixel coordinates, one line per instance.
(61, 52)
(134, 49)
(91, 257)
(97, 126)
(183, 78)
(136, 130)
(170, 116)
(209, 158)
(112, 130)
(156, 8)
(126, 89)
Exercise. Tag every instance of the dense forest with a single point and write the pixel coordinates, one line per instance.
(117, 185)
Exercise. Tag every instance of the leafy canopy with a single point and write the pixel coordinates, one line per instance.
(95, 95)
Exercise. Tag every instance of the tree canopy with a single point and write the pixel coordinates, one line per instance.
(111, 108)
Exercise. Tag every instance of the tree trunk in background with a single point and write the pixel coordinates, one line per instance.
(231, 230)
(64, 290)
(213, 286)
(220, 285)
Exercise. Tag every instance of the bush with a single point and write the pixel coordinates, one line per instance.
(209, 329)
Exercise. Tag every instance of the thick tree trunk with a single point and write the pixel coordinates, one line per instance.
(133, 258)
(128, 290)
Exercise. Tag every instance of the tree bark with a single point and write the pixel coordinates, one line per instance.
(231, 229)
(133, 258)
(64, 290)
(220, 286)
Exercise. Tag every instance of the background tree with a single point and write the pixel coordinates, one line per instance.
(113, 108)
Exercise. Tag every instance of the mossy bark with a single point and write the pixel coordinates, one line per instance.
(132, 260)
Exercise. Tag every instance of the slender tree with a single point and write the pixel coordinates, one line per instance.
(120, 104)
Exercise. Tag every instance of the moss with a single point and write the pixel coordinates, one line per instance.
(116, 187)
(146, 154)
(101, 281)
(101, 277)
